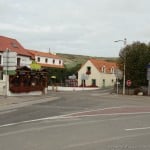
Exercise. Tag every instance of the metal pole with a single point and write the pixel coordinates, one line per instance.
(124, 67)
(124, 79)
(148, 87)
(6, 75)
(117, 85)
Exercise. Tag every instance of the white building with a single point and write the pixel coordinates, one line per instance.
(47, 59)
(97, 73)
(25, 57)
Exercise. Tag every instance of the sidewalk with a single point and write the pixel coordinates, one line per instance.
(13, 102)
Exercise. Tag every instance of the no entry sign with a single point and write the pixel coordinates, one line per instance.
(128, 82)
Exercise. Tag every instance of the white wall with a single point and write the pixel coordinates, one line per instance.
(25, 61)
(59, 88)
(95, 74)
(50, 60)
(2, 87)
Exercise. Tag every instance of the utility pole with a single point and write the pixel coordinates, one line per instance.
(124, 66)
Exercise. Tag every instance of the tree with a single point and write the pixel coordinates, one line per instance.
(61, 74)
(136, 57)
(72, 70)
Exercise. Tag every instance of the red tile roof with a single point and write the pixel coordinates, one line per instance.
(13, 45)
(43, 54)
(101, 63)
(48, 55)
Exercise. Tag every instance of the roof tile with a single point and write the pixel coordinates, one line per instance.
(13, 45)
(101, 63)
(43, 54)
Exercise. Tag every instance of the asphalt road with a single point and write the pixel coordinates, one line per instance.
(115, 132)
(82, 120)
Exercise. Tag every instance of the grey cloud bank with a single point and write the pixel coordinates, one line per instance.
(86, 27)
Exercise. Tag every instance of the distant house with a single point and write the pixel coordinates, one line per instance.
(47, 60)
(97, 73)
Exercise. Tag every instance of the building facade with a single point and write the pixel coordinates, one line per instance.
(24, 58)
(47, 59)
(97, 73)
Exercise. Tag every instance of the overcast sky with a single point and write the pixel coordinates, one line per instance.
(85, 27)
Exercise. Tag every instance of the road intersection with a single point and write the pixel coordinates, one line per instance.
(78, 121)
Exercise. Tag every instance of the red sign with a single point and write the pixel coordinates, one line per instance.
(129, 83)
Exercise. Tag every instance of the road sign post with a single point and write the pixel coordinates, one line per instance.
(128, 83)
(148, 78)
(9, 66)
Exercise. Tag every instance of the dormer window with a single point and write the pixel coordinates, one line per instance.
(112, 69)
(88, 71)
(14, 45)
(103, 69)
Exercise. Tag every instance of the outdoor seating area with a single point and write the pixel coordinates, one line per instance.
(27, 80)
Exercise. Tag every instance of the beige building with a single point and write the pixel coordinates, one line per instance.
(97, 73)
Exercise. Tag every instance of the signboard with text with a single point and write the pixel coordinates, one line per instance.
(9, 62)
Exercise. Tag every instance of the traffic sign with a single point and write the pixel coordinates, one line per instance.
(128, 82)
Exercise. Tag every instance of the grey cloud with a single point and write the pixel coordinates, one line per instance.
(75, 26)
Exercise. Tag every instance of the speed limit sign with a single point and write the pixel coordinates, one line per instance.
(128, 82)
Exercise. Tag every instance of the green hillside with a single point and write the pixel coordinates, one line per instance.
(71, 60)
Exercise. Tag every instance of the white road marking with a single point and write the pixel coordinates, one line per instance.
(33, 129)
(134, 129)
(68, 116)
(91, 110)
(78, 115)
(7, 111)
(30, 121)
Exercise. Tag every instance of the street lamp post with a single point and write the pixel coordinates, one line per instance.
(124, 66)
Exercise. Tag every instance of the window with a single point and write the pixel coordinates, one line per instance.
(46, 60)
(103, 69)
(1, 75)
(88, 71)
(59, 61)
(53, 61)
(0, 59)
(38, 59)
(112, 81)
(18, 61)
(1, 72)
(104, 82)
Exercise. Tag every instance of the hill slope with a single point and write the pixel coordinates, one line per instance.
(71, 60)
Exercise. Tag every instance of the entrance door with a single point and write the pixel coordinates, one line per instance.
(104, 83)
(93, 82)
